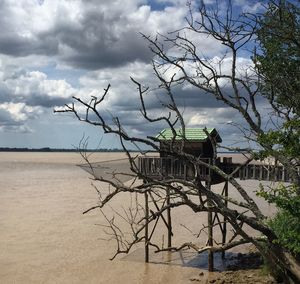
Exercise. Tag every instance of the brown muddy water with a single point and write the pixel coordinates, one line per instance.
(45, 238)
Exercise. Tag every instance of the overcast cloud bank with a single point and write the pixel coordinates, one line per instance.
(53, 50)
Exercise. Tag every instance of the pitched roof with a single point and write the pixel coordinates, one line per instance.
(191, 134)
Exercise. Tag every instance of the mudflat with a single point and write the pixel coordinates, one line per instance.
(45, 238)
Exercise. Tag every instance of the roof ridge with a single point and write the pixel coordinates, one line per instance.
(191, 134)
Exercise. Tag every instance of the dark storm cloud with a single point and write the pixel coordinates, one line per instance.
(96, 42)
(34, 99)
(196, 98)
(184, 98)
(14, 43)
(44, 100)
(11, 44)
(5, 95)
(135, 124)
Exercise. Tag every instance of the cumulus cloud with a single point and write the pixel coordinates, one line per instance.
(13, 116)
(24, 94)
(109, 34)
(21, 29)
(33, 88)
(222, 116)
(85, 34)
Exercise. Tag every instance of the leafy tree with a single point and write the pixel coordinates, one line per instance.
(278, 61)
(278, 64)
(287, 227)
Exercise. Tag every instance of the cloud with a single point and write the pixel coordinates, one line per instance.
(250, 6)
(222, 116)
(22, 23)
(84, 34)
(198, 107)
(33, 88)
(51, 50)
(108, 35)
(13, 117)
(25, 94)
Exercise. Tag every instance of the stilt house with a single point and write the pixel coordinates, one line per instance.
(195, 141)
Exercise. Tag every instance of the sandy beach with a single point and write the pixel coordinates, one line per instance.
(45, 238)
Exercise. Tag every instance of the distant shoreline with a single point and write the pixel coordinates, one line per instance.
(47, 150)
(63, 150)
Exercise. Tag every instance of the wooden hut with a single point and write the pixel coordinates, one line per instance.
(196, 141)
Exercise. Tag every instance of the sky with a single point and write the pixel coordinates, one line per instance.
(51, 50)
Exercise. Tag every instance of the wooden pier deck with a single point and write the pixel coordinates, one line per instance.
(168, 167)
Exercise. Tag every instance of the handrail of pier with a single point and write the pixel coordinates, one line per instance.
(171, 167)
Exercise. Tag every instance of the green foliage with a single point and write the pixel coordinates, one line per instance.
(278, 60)
(286, 223)
(278, 64)
(285, 141)
(284, 197)
(287, 228)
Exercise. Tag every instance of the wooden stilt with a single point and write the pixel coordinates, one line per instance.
(169, 220)
(146, 228)
(210, 231)
(156, 206)
(261, 169)
(224, 232)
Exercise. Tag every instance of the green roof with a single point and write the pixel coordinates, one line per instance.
(191, 134)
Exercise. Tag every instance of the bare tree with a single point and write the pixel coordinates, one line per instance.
(178, 54)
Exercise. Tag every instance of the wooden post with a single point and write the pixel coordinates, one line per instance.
(261, 169)
(146, 228)
(210, 231)
(169, 219)
(224, 233)
(241, 173)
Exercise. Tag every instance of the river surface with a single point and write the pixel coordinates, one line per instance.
(45, 238)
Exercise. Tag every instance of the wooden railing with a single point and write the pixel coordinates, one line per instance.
(259, 172)
(169, 167)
